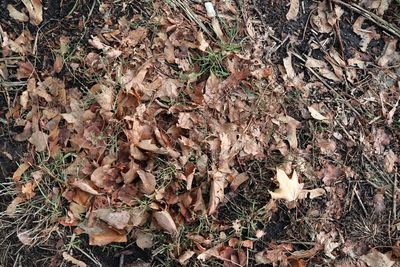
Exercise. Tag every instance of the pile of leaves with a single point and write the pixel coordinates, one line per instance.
(147, 128)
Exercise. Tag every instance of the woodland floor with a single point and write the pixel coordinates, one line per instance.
(147, 133)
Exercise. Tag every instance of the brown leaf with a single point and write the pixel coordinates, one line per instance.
(390, 160)
(21, 170)
(183, 259)
(35, 10)
(316, 115)
(85, 186)
(238, 180)
(376, 259)
(105, 98)
(58, 64)
(117, 219)
(28, 190)
(25, 238)
(165, 221)
(293, 10)
(17, 15)
(144, 240)
(216, 191)
(390, 55)
(148, 181)
(39, 139)
(106, 236)
(68, 258)
(12, 207)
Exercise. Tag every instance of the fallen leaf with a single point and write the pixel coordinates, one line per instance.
(39, 140)
(117, 219)
(316, 115)
(367, 35)
(322, 68)
(144, 240)
(376, 259)
(28, 190)
(21, 170)
(293, 10)
(185, 257)
(25, 238)
(380, 5)
(212, 252)
(85, 186)
(12, 207)
(106, 236)
(216, 192)
(35, 10)
(58, 64)
(289, 189)
(165, 221)
(68, 258)
(17, 15)
(238, 180)
(148, 181)
(390, 161)
(105, 98)
(390, 55)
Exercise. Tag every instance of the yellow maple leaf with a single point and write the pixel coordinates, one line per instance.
(289, 189)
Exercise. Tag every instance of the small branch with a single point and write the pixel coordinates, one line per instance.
(372, 17)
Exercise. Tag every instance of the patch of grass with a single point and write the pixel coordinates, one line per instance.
(38, 217)
(211, 62)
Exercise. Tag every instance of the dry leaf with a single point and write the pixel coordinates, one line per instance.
(390, 161)
(216, 191)
(58, 64)
(148, 181)
(165, 221)
(21, 170)
(68, 258)
(293, 10)
(185, 257)
(322, 68)
(25, 238)
(316, 115)
(17, 15)
(376, 259)
(366, 35)
(117, 219)
(238, 180)
(39, 140)
(289, 189)
(85, 186)
(144, 240)
(105, 98)
(390, 55)
(35, 10)
(106, 235)
(12, 207)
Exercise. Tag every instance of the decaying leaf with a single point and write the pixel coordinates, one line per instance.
(165, 221)
(17, 15)
(25, 238)
(69, 258)
(289, 189)
(20, 171)
(148, 181)
(144, 240)
(35, 10)
(293, 10)
(377, 259)
(85, 186)
(316, 115)
(117, 219)
(216, 192)
(39, 139)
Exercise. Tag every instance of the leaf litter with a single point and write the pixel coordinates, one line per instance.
(165, 119)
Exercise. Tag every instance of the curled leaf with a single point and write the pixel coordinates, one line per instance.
(165, 221)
